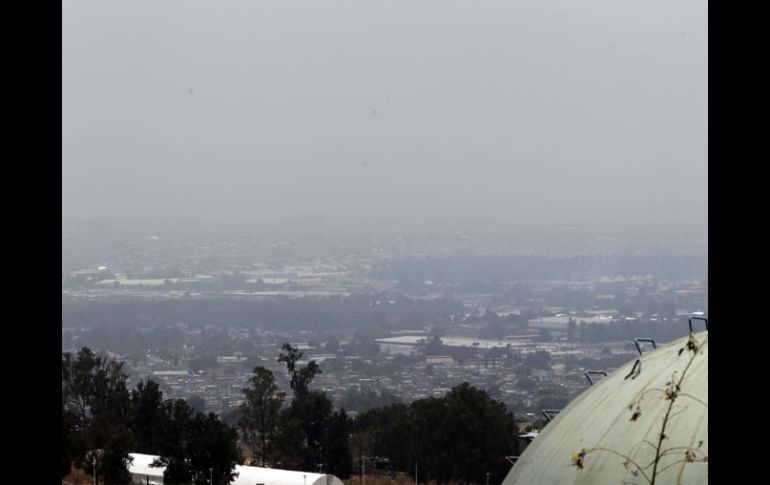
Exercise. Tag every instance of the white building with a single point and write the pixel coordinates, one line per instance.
(142, 471)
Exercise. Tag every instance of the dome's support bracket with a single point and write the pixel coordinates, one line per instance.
(696, 317)
(589, 373)
(635, 370)
(637, 341)
(548, 413)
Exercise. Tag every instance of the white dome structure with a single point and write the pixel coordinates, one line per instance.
(645, 423)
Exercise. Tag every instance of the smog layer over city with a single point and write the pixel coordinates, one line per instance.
(379, 241)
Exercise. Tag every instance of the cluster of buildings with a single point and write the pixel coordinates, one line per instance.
(521, 371)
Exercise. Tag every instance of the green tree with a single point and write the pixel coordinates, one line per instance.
(259, 418)
(314, 412)
(196, 446)
(309, 410)
(460, 436)
(197, 403)
(95, 409)
(362, 446)
(430, 438)
(212, 450)
(336, 447)
(300, 378)
(308, 418)
(112, 442)
(288, 441)
(145, 416)
(366, 398)
(173, 439)
(482, 434)
(67, 432)
(391, 434)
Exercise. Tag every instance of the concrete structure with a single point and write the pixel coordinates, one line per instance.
(142, 471)
(611, 432)
(439, 360)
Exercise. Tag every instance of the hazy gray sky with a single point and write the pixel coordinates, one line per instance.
(590, 109)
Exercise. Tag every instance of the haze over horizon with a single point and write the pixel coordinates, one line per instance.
(449, 111)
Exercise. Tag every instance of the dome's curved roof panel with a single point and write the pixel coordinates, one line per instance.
(611, 433)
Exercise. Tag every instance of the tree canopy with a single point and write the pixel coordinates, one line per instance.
(460, 436)
(102, 423)
(260, 413)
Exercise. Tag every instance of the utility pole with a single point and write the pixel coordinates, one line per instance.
(95, 455)
(415, 473)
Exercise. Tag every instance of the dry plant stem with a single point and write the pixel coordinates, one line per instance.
(675, 394)
(641, 470)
